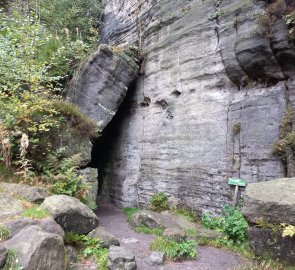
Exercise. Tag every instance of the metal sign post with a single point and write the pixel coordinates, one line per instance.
(237, 183)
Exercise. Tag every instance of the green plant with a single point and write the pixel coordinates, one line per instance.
(89, 247)
(129, 212)
(147, 230)
(4, 233)
(185, 212)
(35, 212)
(231, 222)
(12, 261)
(159, 202)
(288, 230)
(177, 251)
(191, 232)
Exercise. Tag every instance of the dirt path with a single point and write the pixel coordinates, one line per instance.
(208, 258)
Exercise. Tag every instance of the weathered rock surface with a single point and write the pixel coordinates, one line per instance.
(157, 258)
(71, 253)
(271, 202)
(175, 234)
(107, 238)
(200, 80)
(120, 258)
(31, 193)
(3, 256)
(89, 177)
(83, 266)
(266, 242)
(9, 206)
(38, 249)
(71, 214)
(102, 83)
(153, 220)
(47, 224)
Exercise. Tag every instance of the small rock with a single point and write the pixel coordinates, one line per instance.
(174, 234)
(71, 214)
(107, 238)
(129, 240)
(3, 255)
(31, 193)
(204, 233)
(9, 206)
(71, 253)
(47, 224)
(121, 258)
(38, 249)
(157, 258)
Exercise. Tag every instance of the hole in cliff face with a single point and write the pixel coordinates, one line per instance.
(103, 148)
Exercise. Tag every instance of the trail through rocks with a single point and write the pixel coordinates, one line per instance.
(208, 258)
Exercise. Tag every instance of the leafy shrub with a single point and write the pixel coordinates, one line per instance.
(185, 212)
(89, 247)
(129, 212)
(35, 212)
(63, 171)
(232, 223)
(4, 233)
(12, 261)
(159, 202)
(185, 249)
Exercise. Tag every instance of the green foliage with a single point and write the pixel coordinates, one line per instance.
(147, 230)
(288, 230)
(159, 202)
(89, 247)
(63, 171)
(4, 233)
(129, 212)
(38, 56)
(274, 11)
(177, 251)
(191, 232)
(185, 212)
(265, 265)
(232, 223)
(12, 261)
(79, 17)
(35, 212)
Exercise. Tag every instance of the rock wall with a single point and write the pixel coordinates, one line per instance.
(207, 106)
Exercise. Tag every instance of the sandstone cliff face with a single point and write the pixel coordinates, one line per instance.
(207, 106)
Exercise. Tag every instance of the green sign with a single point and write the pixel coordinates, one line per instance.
(237, 182)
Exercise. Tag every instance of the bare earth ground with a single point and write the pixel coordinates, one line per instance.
(208, 258)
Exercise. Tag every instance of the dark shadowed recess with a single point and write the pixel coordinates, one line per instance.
(102, 149)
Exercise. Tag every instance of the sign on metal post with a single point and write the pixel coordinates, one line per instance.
(238, 183)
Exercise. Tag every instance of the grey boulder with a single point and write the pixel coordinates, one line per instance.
(9, 206)
(121, 259)
(272, 201)
(105, 237)
(175, 234)
(31, 193)
(157, 258)
(47, 224)
(153, 220)
(71, 214)
(37, 249)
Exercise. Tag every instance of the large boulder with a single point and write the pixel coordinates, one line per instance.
(272, 201)
(105, 237)
(9, 206)
(153, 220)
(121, 258)
(47, 224)
(102, 82)
(38, 249)
(31, 193)
(71, 214)
(270, 243)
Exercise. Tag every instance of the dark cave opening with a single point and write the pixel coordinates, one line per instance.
(103, 147)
